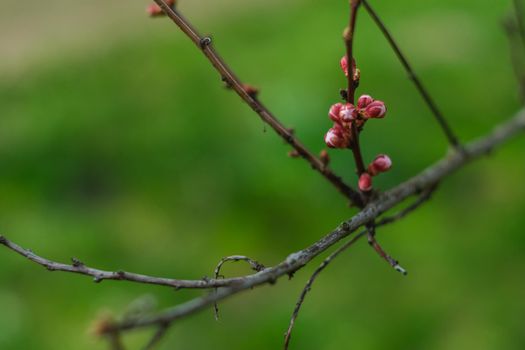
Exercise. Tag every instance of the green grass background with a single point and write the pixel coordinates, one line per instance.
(124, 150)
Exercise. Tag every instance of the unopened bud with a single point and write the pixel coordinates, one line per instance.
(324, 157)
(293, 154)
(344, 64)
(154, 10)
(336, 138)
(381, 164)
(348, 113)
(250, 90)
(364, 101)
(376, 109)
(365, 182)
(335, 111)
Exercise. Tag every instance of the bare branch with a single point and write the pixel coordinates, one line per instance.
(311, 280)
(426, 179)
(371, 234)
(388, 220)
(157, 337)
(100, 275)
(452, 138)
(520, 13)
(205, 45)
(516, 53)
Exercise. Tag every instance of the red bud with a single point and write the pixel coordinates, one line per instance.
(154, 10)
(334, 112)
(381, 164)
(348, 113)
(344, 64)
(364, 101)
(376, 109)
(365, 182)
(336, 137)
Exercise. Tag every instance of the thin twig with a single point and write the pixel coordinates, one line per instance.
(371, 233)
(115, 341)
(518, 10)
(424, 197)
(452, 138)
(100, 275)
(385, 221)
(311, 280)
(157, 336)
(516, 53)
(255, 265)
(205, 45)
(348, 37)
(430, 176)
(349, 43)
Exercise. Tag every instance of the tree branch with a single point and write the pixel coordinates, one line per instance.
(452, 138)
(426, 179)
(205, 45)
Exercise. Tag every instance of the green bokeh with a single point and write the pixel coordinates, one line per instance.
(135, 157)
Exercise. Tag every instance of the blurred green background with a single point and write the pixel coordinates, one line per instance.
(120, 146)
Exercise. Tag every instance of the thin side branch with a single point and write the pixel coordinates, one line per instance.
(205, 45)
(452, 138)
(517, 52)
(255, 265)
(518, 10)
(157, 336)
(311, 280)
(425, 196)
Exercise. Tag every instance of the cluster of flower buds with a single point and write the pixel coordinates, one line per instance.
(349, 119)
(345, 115)
(382, 163)
(154, 10)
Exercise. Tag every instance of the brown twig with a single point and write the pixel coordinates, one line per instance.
(371, 234)
(517, 50)
(206, 47)
(452, 138)
(518, 10)
(115, 341)
(348, 37)
(349, 43)
(157, 336)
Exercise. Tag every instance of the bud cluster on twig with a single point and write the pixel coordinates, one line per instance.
(346, 117)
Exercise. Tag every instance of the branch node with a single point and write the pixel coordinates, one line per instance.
(77, 263)
(205, 41)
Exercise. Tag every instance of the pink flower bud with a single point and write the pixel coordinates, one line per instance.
(348, 113)
(364, 101)
(344, 67)
(344, 64)
(381, 164)
(336, 137)
(376, 109)
(365, 182)
(154, 10)
(334, 112)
